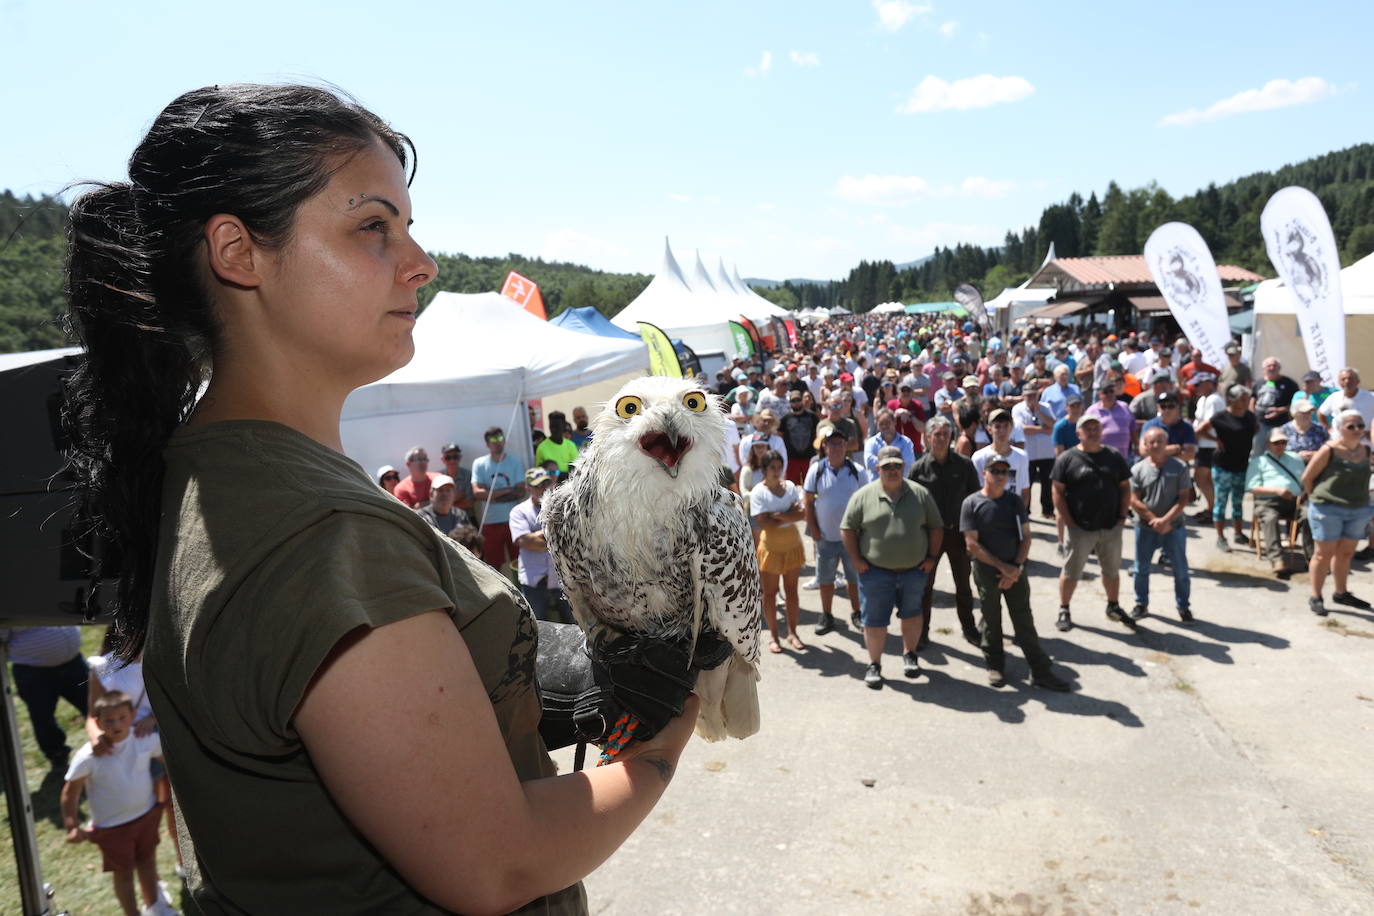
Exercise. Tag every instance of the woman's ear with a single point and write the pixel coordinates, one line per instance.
(234, 257)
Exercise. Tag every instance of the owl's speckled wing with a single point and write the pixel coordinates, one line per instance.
(730, 576)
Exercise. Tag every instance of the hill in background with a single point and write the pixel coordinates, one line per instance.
(32, 247)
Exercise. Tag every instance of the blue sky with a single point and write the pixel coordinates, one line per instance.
(791, 139)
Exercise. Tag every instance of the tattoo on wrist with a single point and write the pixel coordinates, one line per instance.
(665, 769)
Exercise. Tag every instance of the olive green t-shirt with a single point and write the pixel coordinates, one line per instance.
(273, 547)
(892, 534)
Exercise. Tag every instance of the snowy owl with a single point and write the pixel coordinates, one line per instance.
(647, 541)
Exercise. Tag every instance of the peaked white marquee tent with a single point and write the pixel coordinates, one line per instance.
(478, 359)
(672, 304)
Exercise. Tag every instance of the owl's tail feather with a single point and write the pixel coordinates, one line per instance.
(729, 700)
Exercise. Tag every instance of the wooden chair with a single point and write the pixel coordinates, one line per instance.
(1294, 525)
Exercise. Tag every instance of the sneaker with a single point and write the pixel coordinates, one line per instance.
(811, 584)
(1223, 546)
(1280, 570)
(1164, 560)
(1350, 600)
(1185, 616)
(911, 665)
(1314, 604)
(973, 637)
(855, 621)
(1050, 681)
(1364, 554)
(1064, 624)
(1139, 611)
(1114, 612)
(873, 677)
(1061, 550)
(1241, 539)
(826, 625)
(996, 678)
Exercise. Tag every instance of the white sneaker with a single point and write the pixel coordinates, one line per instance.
(811, 584)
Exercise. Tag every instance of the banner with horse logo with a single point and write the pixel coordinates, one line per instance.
(1302, 248)
(1183, 269)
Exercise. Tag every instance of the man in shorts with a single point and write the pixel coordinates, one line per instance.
(891, 530)
(830, 482)
(1092, 492)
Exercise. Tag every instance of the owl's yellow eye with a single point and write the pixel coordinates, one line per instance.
(694, 401)
(629, 406)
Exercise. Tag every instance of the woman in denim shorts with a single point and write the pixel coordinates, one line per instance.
(1337, 482)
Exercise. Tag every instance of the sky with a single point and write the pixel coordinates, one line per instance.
(791, 140)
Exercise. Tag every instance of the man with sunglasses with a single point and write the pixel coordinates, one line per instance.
(798, 430)
(461, 476)
(996, 530)
(414, 490)
(498, 483)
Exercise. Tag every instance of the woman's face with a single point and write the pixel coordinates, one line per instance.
(340, 295)
(774, 470)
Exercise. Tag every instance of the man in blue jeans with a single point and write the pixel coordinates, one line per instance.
(830, 481)
(1161, 488)
(891, 530)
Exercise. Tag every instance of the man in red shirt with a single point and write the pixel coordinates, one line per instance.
(414, 490)
(911, 416)
(1192, 367)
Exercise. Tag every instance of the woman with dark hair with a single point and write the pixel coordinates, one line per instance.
(775, 504)
(346, 700)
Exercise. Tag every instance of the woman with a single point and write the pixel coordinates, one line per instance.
(750, 473)
(1337, 486)
(387, 478)
(809, 401)
(776, 504)
(345, 698)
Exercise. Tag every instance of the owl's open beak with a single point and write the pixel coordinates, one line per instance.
(666, 448)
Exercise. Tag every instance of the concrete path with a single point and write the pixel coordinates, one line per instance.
(1222, 768)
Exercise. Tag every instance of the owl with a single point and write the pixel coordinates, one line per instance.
(647, 541)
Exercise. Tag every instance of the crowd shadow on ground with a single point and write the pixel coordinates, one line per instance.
(960, 694)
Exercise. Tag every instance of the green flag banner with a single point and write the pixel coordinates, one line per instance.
(744, 346)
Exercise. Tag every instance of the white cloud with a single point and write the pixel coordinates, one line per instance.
(934, 94)
(679, 198)
(579, 248)
(893, 14)
(898, 190)
(764, 65)
(805, 58)
(976, 186)
(948, 29)
(1274, 94)
(889, 190)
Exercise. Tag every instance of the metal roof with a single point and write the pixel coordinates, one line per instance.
(1122, 270)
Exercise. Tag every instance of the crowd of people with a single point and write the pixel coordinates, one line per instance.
(893, 444)
(899, 442)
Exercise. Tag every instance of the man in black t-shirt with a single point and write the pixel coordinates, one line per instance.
(1092, 492)
(996, 529)
(798, 430)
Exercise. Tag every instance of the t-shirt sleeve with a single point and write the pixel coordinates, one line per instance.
(968, 514)
(853, 513)
(152, 744)
(1059, 472)
(810, 483)
(262, 650)
(933, 517)
(82, 765)
(520, 522)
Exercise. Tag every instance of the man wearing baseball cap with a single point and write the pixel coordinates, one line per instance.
(538, 577)
(1182, 440)
(1092, 493)
(996, 530)
(830, 482)
(891, 530)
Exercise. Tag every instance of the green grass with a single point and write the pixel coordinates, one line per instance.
(74, 872)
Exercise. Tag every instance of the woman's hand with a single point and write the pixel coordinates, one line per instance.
(145, 726)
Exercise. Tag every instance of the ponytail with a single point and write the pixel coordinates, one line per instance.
(136, 383)
(139, 308)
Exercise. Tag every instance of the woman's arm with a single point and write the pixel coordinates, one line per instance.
(1315, 468)
(416, 761)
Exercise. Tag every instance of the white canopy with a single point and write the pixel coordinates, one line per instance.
(889, 308)
(1276, 331)
(476, 358)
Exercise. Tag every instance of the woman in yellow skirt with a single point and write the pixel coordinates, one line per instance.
(775, 504)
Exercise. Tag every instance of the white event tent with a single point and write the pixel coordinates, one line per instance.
(670, 303)
(1277, 333)
(478, 359)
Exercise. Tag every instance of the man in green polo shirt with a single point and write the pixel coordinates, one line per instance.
(892, 530)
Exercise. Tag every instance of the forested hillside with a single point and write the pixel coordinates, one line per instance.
(1118, 222)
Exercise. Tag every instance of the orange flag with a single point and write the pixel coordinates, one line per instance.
(526, 292)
